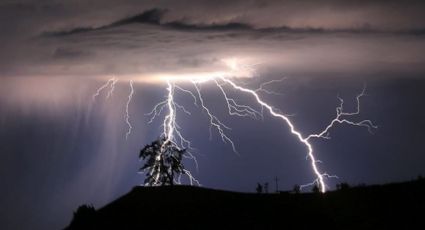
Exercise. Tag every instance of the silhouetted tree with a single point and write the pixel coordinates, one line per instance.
(297, 189)
(163, 162)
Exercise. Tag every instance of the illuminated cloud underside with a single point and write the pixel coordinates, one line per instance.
(236, 71)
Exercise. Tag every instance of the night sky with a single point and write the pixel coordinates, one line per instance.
(60, 149)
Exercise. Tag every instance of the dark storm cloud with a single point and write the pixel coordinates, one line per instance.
(156, 17)
(64, 53)
(391, 15)
(152, 16)
(135, 34)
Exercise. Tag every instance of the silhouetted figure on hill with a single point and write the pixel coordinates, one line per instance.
(163, 162)
(259, 188)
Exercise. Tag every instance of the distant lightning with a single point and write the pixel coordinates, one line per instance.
(127, 115)
(111, 82)
(112, 87)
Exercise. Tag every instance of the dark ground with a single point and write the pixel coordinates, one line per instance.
(398, 205)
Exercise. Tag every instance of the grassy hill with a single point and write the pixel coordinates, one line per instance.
(400, 205)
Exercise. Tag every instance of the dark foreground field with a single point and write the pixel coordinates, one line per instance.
(400, 205)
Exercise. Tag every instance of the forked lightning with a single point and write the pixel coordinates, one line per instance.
(172, 131)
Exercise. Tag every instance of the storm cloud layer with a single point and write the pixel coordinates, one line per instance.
(60, 38)
(60, 148)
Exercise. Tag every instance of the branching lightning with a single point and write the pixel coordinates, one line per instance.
(339, 118)
(305, 140)
(172, 132)
(112, 87)
(214, 121)
(111, 83)
(263, 88)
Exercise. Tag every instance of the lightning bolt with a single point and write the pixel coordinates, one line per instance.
(112, 87)
(305, 140)
(339, 118)
(263, 88)
(235, 109)
(127, 114)
(214, 121)
(171, 131)
(111, 83)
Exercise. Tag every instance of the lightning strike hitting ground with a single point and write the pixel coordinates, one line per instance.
(172, 131)
(305, 140)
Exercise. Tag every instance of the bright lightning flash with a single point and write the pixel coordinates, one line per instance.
(320, 180)
(172, 131)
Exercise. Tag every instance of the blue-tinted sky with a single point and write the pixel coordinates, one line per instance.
(59, 149)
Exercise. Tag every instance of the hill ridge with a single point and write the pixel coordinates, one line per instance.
(189, 207)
